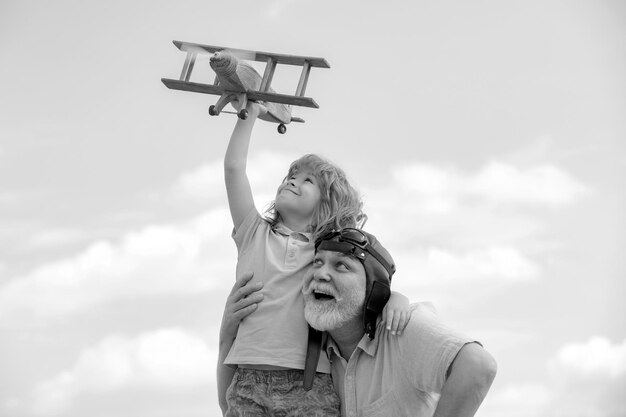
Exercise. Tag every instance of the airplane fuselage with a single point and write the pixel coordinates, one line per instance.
(236, 76)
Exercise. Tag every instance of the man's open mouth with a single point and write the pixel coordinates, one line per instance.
(321, 295)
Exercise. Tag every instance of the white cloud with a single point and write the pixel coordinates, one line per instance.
(54, 237)
(440, 189)
(588, 379)
(453, 278)
(202, 183)
(448, 226)
(489, 207)
(597, 357)
(206, 183)
(438, 266)
(170, 358)
(183, 258)
(523, 400)
(430, 187)
(544, 185)
(584, 379)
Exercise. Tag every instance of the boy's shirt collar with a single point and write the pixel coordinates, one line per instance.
(285, 231)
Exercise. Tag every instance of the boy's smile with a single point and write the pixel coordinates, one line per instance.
(299, 195)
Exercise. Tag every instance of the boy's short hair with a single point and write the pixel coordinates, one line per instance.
(340, 203)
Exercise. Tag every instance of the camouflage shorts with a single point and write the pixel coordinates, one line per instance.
(280, 393)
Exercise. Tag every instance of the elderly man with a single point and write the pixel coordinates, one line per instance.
(429, 370)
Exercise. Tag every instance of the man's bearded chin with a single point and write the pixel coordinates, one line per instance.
(330, 315)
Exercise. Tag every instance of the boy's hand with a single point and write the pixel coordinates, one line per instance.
(397, 313)
(256, 109)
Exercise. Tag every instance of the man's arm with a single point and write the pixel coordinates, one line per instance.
(225, 374)
(238, 189)
(470, 376)
(241, 302)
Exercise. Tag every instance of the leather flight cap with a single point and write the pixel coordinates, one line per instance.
(358, 252)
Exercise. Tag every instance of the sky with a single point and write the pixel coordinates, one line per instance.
(486, 137)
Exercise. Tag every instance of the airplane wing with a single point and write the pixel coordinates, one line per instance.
(193, 87)
(256, 55)
(252, 95)
(283, 99)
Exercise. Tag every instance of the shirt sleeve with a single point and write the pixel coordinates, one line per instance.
(244, 235)
(429, 347)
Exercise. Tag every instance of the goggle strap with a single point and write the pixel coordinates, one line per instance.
(353, 250)
(342, 247)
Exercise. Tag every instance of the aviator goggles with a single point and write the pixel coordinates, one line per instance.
(352, 242)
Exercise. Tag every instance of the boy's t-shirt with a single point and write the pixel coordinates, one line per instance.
(276, 333)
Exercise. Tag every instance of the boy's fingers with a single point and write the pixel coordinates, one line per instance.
(388, 318)
(396, 321)
(256, 105)
(402, 322)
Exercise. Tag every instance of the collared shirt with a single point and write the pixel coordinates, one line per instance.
(396, 375)
(276, 333)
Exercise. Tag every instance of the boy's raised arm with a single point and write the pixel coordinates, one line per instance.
(238, 189)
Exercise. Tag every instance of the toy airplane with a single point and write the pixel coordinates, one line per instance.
(236, 80)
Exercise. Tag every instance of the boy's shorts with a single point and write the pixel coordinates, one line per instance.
(256, 392)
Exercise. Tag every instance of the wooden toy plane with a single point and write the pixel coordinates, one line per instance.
(237, 81)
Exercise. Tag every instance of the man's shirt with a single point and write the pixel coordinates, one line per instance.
(396, 375)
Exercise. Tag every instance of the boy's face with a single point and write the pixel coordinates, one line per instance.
(334, 290)
(298, 195)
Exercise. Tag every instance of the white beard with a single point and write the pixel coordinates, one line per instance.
(330, 315)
